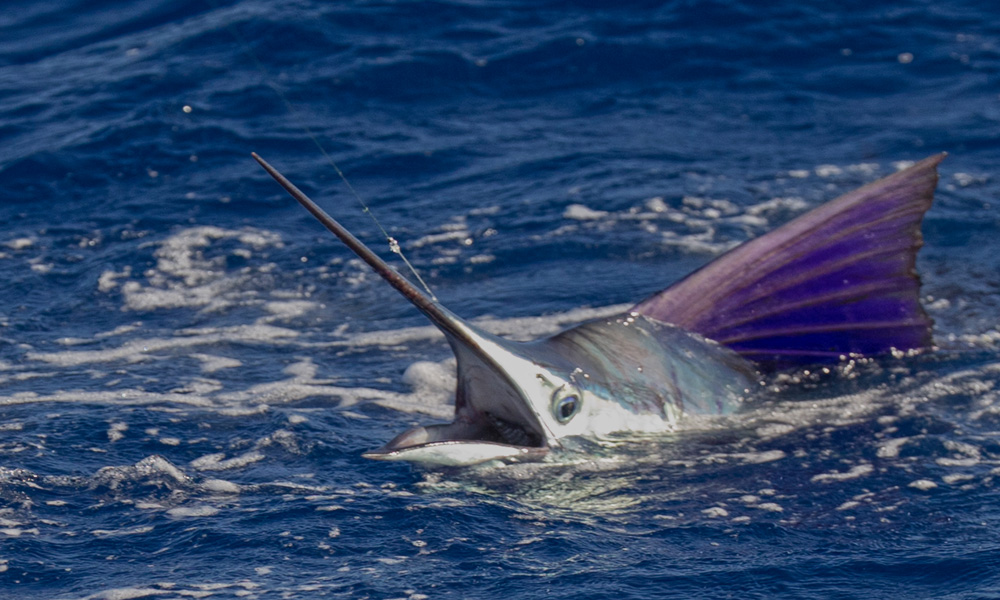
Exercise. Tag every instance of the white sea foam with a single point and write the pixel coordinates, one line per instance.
(890, 448)
(20, 243)
(220, 486)
(201, 510)
(141, 349)
(127, 593)
(185, 277)
(854, 472)
(218, 461)
(458, 235)
(211, 363)
(828, 170)
(151, 468)
(580, 212)
(761, 457)
(288, 309)
(117, 431)
(104, 533)
(18, 531)
(431, 378)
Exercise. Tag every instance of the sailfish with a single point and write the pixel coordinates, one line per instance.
(837, 281)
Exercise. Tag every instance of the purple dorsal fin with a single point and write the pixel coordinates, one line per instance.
(835, 281)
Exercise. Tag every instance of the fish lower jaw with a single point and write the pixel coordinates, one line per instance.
(474, 437)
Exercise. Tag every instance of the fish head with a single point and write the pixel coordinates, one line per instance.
(511, 402)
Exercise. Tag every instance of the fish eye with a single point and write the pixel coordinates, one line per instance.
(565, 405)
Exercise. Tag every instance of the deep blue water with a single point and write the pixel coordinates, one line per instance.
(190, 367)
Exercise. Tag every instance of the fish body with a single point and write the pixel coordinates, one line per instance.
(621, 373)
(836, 281)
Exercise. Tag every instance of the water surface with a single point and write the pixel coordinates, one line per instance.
(190, 367)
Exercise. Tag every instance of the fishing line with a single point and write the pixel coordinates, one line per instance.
(300, 121)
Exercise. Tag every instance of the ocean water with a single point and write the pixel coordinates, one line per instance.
(190, 367)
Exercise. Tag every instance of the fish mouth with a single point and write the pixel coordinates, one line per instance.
(502, 431)
(473, 437)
